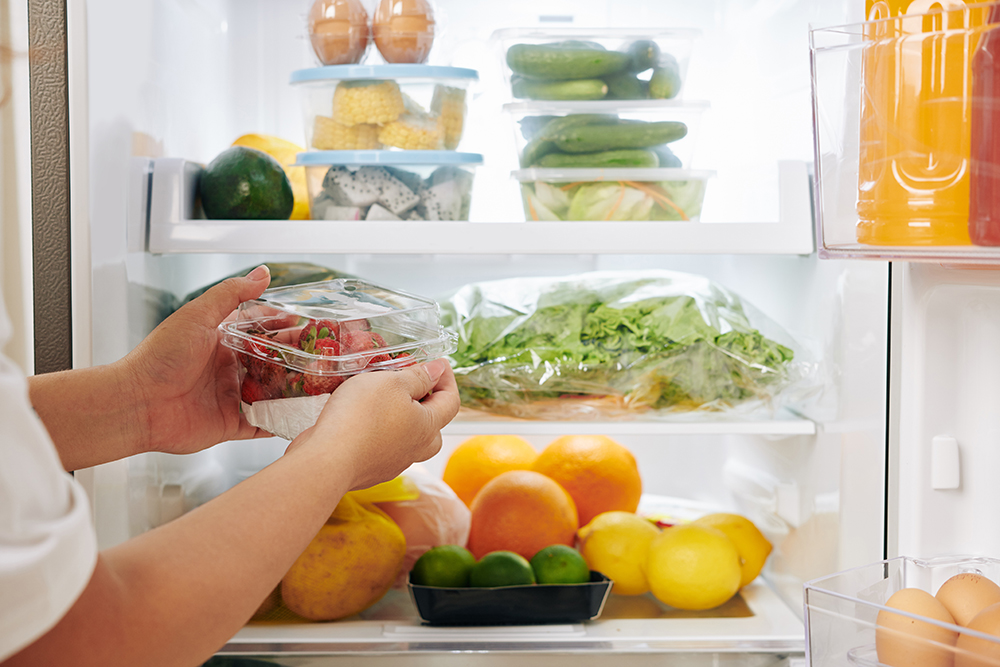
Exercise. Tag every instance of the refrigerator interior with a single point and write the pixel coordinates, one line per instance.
(184, 78)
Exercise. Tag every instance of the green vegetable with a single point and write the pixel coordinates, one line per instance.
(609, 201)
(667, 158)
(540, 143)
(642, 54)
(588, 139)
(560, 62)
(651, 340)
(666, 80)
(626, 86)
(624, 159)
(573, 89)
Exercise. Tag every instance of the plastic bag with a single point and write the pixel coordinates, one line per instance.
(618, 344)
(437, 516)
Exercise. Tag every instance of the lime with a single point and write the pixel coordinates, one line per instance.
(560, 564)
(446, 566)
(501, 568)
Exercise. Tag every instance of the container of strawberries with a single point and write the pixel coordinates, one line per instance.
(295, 345)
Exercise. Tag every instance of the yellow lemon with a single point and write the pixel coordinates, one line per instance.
(615, 544)
(285, 153)
(693, 567)
(750, 542)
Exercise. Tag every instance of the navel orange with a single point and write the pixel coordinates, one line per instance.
(598, 473)
(521, 511)
(481, 458)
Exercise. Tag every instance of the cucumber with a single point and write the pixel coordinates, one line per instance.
(625, 86)
(666, 80)
(667, 158)
(642, 54)
(558, 63)
(590, 139)
(541, 143)
(621, 159)
(574, 89)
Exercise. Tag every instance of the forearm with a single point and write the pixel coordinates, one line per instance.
(174, 595)
(92, 414)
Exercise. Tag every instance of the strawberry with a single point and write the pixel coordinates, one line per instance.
(404, 359)
(363, 341)
(293, 386)
(315, 385)
(317, 330)
(355, 325)
(327, 347)
(251, 390)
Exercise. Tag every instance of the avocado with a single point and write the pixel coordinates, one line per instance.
(245, 184)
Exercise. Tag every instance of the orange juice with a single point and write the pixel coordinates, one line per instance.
(913, 186)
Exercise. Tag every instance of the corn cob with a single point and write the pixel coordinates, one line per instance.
(367, 102)
(449, 105)
(329, 135)
(412, 132)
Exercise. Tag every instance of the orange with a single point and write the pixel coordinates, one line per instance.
(600, 474)
(521, 511)
(481, 458)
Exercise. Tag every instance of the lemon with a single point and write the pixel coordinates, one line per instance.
(560, 564)
(616, 545)
(285, 152)
(446, 566)
(693, 567)
(501, 568)
(750, 542)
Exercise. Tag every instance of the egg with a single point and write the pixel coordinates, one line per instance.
(974, 651)
(901, 641)
(338, 31)
(966, 594)
(404, 30)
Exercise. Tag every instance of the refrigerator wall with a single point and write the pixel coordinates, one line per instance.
(183, 78)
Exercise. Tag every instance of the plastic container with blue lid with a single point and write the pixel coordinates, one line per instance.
(379, 185)
(384, 107)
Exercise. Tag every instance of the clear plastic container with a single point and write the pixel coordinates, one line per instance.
(303, 341)
(372, 107)
(560, 135)
(339, 31)
(841, 612)
(389, 185)
(612, 194)
(404, 30)
(630, 63)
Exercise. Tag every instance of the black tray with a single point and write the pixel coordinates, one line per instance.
(512, 605)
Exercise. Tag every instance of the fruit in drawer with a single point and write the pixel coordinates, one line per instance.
(754, 548)
(245, 184)
(693, 567)
(565, 60)
(349, 565)
(481, 458)
(616, 544)
(598, 473)
(521, 511)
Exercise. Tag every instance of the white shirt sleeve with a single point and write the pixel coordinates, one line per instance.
(48, 547)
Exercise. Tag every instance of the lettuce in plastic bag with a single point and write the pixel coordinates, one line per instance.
(611, 344)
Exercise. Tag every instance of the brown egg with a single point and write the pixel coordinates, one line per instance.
(966, 594)
(404, 30)
(338, 31)
(976, 652)
(901, 641)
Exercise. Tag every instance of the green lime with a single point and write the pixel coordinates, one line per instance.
(560, 564)
(446, 566)
(501, 568)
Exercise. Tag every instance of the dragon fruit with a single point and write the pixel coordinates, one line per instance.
(394, 195)
(346, 189)
(376, 212)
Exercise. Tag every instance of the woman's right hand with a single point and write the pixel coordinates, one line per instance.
(378, 424)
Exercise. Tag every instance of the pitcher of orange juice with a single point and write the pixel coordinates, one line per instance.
(913, 184)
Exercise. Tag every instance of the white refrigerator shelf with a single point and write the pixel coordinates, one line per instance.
(168, 226)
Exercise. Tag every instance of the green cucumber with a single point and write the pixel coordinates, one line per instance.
(642, 54)
(625, 86)
(666, 80)
(667, 158)
(541, 143)
(574, 89)
(558, 63)
(591, 139)
(620, 159)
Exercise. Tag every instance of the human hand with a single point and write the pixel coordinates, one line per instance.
(380, 423)
(185, 381)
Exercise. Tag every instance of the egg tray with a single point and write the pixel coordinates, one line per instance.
(534, 604)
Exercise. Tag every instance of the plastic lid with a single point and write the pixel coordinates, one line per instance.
(391, 158)
(547, 107)
(635, 174)
(402, 71)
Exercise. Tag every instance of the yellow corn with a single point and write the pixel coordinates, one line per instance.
(412, 132)
(449, 105)
(367, 102)
(329, 135)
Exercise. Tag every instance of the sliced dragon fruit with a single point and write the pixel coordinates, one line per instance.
(376, 212)
(344, 188)
(393, 193)
(341, 213)
(441, 202)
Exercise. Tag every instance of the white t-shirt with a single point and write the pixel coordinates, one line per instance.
(47, 544)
